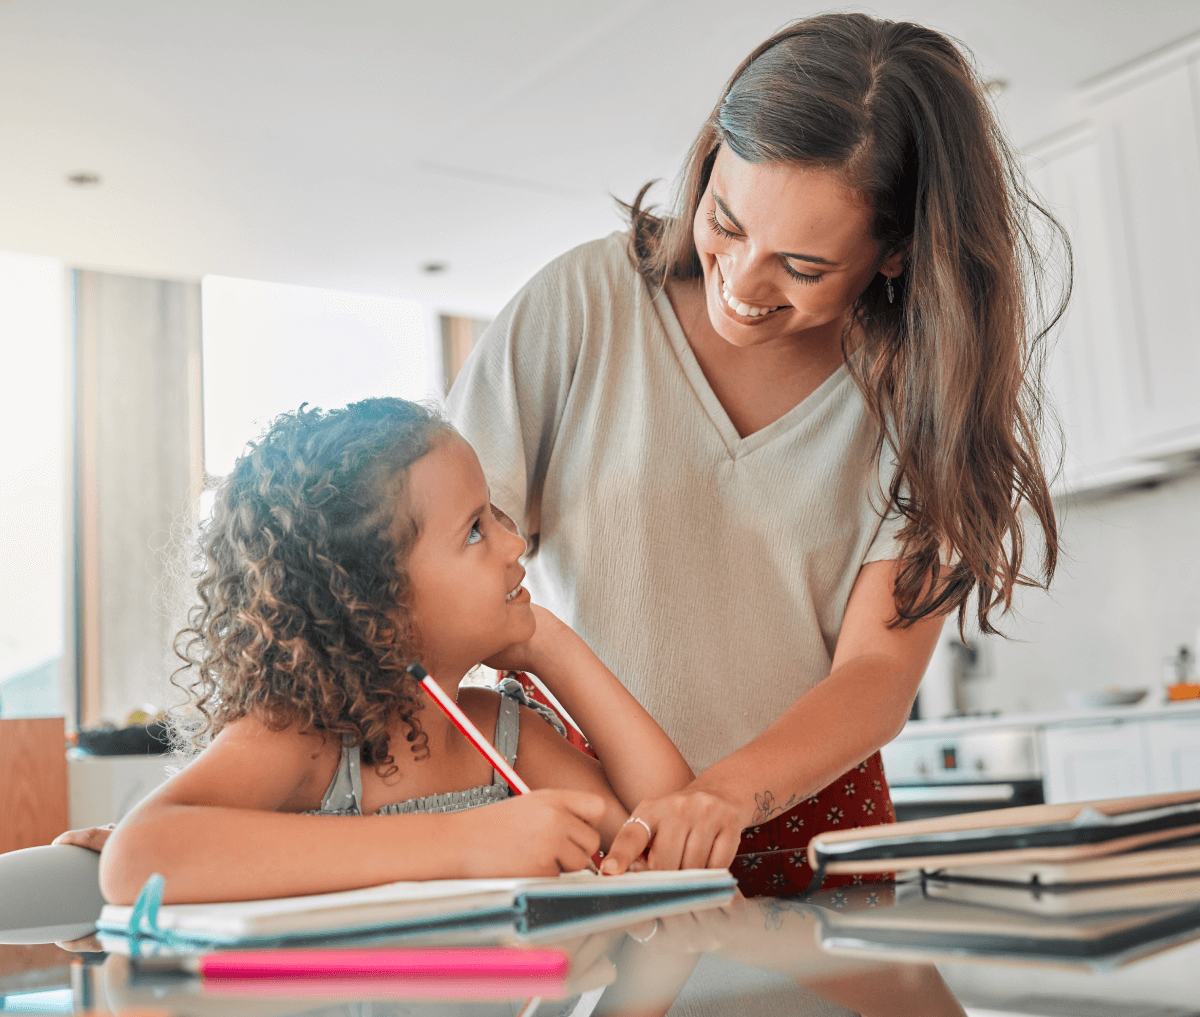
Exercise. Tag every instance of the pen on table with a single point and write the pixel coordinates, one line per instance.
(461, 721)
(446, 962)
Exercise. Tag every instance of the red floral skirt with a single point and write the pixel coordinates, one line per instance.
(772, 860)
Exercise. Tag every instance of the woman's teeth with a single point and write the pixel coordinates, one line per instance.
(749, 310)
(511, 594)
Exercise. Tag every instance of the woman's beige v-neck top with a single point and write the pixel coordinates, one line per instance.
(709, 572)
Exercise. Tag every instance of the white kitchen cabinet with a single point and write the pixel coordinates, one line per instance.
(102, 789)
(1096, 761)
(1084, 373)
(1148, 128)
(1174, 750)
(1124, 375)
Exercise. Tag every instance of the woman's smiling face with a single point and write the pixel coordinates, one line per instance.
(467, 601)
(785, 248)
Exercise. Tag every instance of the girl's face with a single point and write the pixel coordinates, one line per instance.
(467, 600)
(785, 249)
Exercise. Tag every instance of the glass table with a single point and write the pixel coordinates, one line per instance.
(763, 956)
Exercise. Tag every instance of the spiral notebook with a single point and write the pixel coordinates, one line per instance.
(528, 907)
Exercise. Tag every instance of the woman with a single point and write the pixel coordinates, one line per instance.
(805, 406)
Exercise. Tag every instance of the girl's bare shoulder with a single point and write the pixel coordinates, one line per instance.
(290, 740)
(265, 766)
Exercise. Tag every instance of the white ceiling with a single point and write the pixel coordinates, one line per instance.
(345, 144)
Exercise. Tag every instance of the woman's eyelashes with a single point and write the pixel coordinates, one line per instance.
(715, 225)
(800, 276)
(476, 535)
(719, 229)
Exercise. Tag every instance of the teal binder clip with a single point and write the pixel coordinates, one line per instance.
(143, 919)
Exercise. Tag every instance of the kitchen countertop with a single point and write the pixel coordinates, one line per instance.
(1154, 710)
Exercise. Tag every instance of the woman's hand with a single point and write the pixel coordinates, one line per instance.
(93, 838)
(532, 654)
(704, 931)
(689, 829)
(542, 833)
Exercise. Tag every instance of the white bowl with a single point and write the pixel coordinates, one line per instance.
(1109, 697)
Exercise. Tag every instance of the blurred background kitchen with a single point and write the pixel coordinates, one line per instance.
(346, 193)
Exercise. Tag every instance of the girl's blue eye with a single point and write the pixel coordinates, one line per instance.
(474, 537)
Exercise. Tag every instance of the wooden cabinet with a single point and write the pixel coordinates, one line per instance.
(1096, 761)
(33, 782)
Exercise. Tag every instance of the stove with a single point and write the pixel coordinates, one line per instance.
(945, 774)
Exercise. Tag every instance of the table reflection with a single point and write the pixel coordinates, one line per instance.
(762, 956)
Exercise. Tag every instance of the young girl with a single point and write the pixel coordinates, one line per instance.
(344, 546)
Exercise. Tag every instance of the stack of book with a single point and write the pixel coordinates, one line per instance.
(1099, 883)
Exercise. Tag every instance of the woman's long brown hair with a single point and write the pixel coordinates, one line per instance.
(951, 371)
(302, 594)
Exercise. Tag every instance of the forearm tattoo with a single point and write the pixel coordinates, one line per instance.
(775, 910)
(767, 806)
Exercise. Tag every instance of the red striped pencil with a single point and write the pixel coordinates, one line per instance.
(473, 735)
(461, 721)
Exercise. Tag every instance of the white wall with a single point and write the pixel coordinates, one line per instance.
(1126, 595)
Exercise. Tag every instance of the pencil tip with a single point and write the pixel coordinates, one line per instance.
(417, 671)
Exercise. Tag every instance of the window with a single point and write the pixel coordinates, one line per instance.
(268, 348)
(34, 534)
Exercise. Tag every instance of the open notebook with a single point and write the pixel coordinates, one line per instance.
(528, 907)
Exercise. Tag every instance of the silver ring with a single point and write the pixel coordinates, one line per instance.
(652, 931)
(649, 833)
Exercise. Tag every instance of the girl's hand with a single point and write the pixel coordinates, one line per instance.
(93, 838)
(542, 833)
(531, 654)
(689, 829)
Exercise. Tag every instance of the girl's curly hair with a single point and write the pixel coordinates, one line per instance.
(303, 594)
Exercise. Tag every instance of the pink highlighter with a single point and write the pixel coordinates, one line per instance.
(439, 962)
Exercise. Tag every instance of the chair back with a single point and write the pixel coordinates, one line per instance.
(49, 894)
